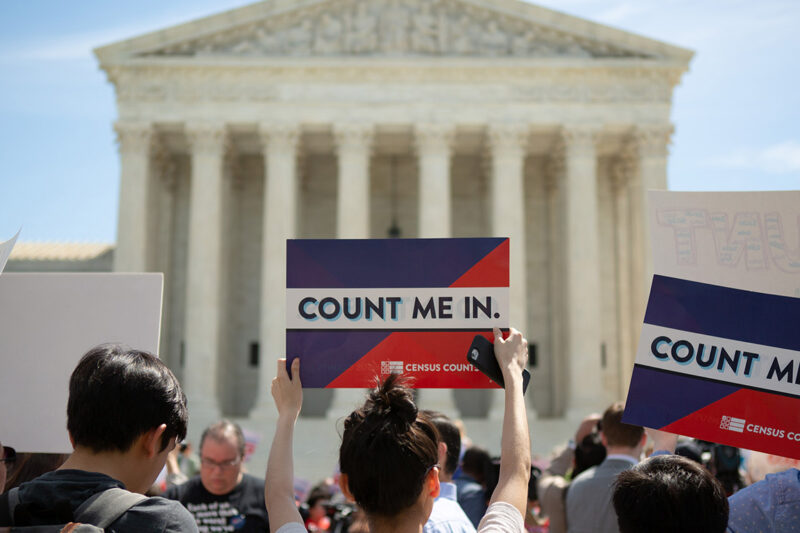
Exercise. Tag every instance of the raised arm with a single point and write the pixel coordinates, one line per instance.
(279, 482)
(515, 456)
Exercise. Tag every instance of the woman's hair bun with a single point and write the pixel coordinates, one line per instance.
(393, 402)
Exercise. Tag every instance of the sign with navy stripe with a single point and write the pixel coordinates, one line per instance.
(720, 364)
(361, 309)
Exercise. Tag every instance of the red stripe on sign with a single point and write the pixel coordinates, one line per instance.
(748, 419)
(431, 359)
(491, 271)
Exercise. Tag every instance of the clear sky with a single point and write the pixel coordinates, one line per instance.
(737, 112)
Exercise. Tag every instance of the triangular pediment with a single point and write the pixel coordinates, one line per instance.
(370, 28)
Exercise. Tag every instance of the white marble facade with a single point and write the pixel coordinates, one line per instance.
(325, 119)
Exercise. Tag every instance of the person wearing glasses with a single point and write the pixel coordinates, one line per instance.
(223, 494)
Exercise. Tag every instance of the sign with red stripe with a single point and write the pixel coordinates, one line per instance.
(719, 364)
(357, 310)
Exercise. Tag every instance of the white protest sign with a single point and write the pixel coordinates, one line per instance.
(719, 346)
(47, 323)
(744, 240)
(5, 249)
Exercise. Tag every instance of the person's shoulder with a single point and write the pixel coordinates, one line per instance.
(252, 480)
(292, 527)
(157, 514)
(467, 486)
(501, 517)
(584, 477)
(788, 479)
(252, 483)
(183, 490)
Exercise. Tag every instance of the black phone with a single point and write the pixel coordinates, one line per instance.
(481, 355)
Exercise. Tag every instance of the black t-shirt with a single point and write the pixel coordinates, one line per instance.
(241, 510)
(53, 497)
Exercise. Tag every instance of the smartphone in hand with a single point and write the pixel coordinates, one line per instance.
(481, 355)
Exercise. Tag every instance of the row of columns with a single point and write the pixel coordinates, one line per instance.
(576, 162)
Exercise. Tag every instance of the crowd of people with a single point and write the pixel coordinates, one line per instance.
(400, 468)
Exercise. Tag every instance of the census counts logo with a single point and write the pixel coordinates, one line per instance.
(391, 367)
(732, 424)
(740, 425)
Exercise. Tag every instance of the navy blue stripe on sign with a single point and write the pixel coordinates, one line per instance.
(736, 314)
(382, 263)
(657, 398)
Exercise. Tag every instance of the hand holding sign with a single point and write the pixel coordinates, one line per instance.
(288, 391)
(511, 353)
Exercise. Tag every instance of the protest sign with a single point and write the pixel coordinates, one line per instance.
(5, 250)
(719, 354)
(47, 323)
(357, 310)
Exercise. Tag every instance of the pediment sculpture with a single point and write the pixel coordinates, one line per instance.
(394, 28)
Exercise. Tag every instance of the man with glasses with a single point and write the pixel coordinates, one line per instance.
(7, 457)
(223, 495)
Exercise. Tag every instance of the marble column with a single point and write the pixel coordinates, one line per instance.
(621, 172)
(581, 271)
(135, 143)
(433, 143)
(353, 144)
(434, 147)
(353, 149)
(651, 149)
(557, 363)
(164, 221)
(279, 222)
(507, 143)
(204, 310)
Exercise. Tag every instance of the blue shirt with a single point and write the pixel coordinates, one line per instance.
(771, 505)
(471, 498)
(447, 516)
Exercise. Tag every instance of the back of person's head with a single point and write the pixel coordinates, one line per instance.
(451, 436)
(387, 450)
(669, 493)
(117, 394)
(222, 431)
(318, 493)
(476, 463)
(618, 433)
(588, 453)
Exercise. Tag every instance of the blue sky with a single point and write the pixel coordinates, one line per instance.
(737, 112)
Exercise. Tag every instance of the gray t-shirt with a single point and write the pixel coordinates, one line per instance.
(53, 497)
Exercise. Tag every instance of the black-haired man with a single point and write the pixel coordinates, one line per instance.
(125, 412)
(669, 493)
(223, 495)
(447, 515)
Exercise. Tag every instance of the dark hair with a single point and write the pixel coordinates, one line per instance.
(451, 436)
(669, 493)
(319, 492)
(117, 394)
(388, 447)
(588, 453)
(221, 430)
(618, 433)
(477, 463)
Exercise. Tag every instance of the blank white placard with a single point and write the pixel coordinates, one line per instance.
(47, 322)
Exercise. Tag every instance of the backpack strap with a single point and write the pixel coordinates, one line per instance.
(105, 507)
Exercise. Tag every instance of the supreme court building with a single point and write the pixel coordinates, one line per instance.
(377, 118)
